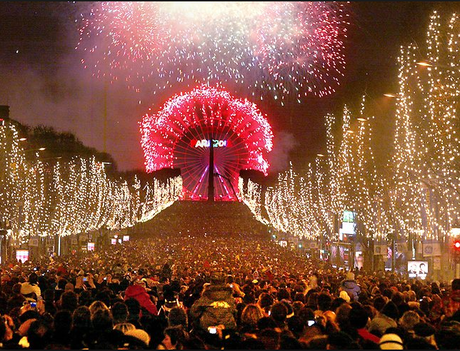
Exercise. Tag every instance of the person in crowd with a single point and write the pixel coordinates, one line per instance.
(350, 285)
(81, 329)
(174, 338)
(235, 292)
(407, 322)
(216, 307)
(391, 341)
(452, 300)
(385, 319)
(30, 289)
(137, 290)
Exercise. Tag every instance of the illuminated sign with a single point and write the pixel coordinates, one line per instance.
(22, 255)
(90, 246)
(206, 143)
(125, 237)
(417, 269)
(348, 224)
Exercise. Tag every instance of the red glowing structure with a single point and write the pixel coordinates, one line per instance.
(179, 134)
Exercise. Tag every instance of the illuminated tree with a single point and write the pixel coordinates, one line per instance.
(425, 190)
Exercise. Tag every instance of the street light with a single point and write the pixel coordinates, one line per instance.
(392, 95)
(424, 64)
(39, 149)
(430, 65)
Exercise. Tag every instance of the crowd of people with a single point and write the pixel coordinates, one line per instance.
(218, 291)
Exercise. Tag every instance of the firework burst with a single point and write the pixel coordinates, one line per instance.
(285, 49)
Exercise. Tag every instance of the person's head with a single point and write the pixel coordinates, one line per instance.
(296, 325)
(119, 312)
(358, 317)
(339, 341)
(96, 306)
(390, 310)
(134, 308)
(251, 315)
(174, 336)
(341, 314)
(62, 282)
(324, 302)
(345, 296)
(409, 319)
(62, 322)
(419, 344)
(16, 289)
(391, 341)
(379, 302)
(217, 278)
(33, 278)
(270, 338)
(266, 323)
(288, 342)
(456, 284)
(140, 336)
(448, 336)
(39, 335)
(279, 312)
(81, 317)
(283, 294)
(350, 276)
(69, 301)
(424, 330)
(265, 300)
(177, 316)
(102, 320)
(124, 327)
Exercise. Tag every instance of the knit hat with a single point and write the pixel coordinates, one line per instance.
(391, 342)
(344, 295)
(140, 334)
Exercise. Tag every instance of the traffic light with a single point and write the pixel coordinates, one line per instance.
(457, 245)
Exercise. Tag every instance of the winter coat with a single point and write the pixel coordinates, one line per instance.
(140, 294)
(452, 303)
(352, 288)
(216, 306)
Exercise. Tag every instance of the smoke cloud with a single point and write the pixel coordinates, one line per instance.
(283, 144)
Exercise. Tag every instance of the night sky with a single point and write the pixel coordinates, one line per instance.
(44, 83)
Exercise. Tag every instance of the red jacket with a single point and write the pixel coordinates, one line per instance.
(140, 294)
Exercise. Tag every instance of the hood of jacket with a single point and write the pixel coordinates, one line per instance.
(135, 290)
(218, 292)
(349, 284)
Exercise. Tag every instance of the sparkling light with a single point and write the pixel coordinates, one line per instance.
(49, 199)
(284, 49)
(202, 114)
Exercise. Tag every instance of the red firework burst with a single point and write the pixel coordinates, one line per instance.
(178, 136)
